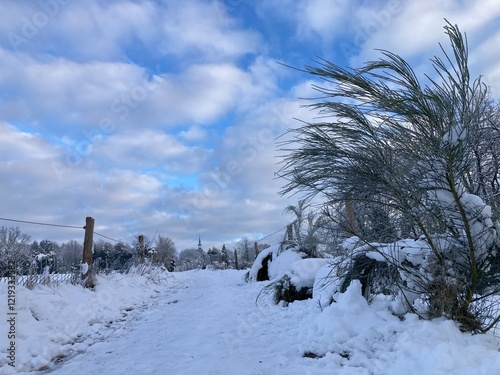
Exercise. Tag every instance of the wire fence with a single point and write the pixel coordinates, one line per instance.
(59, 226)
(63, 266)
(52, 266)
(51, 279)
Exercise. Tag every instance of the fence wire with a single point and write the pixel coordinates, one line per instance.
(29, 281)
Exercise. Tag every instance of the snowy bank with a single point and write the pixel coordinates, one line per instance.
(351, 337)
(52, 323)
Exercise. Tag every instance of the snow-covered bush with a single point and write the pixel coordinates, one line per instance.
(427, 157)
(406, 269)
(296, 282)
(292, 277)
(375, 275)
(273, 262)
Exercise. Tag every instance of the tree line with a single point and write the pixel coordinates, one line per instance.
(33, 257)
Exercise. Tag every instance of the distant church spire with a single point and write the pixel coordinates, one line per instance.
(199, 243)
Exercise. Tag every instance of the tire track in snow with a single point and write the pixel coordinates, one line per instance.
(208, 324)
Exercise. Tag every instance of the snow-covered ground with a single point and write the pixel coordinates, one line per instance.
(208, 322)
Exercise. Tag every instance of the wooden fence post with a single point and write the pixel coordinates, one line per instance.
(88, 243)
(141, 247)
(236, 259)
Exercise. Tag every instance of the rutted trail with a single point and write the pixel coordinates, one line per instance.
(208, 323)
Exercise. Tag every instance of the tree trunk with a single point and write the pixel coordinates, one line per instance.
(349, 210)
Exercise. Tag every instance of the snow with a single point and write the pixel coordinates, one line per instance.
(455, 135)
(257, 264)
(60, 321)
(326, 284)
(281, 264)
(411, 250)
(303, 272)
(208, 322)
(41, 256)
(352, 243)
(477, 213)
(84, 268)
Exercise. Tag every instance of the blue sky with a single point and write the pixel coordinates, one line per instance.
(161, 116)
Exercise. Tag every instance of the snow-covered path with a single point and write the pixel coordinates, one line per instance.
(208, 324)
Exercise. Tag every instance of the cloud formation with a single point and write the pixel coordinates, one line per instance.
(162, 117)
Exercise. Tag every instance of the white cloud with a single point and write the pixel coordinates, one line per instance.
(194, 133)
(125, 201)
(69, 91)
(74, 96)
(164, 115)
(116, 95)
(83, 31)
(313, 20)
(202, 93)
(95, 30)
(148, 149)
(16, 145)
(204, 28)
(323, 17)
(414, 29)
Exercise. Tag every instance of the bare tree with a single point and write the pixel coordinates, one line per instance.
(71, 255)
(245, 252)
(14, 247)
(165, 250)
(192, 259)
